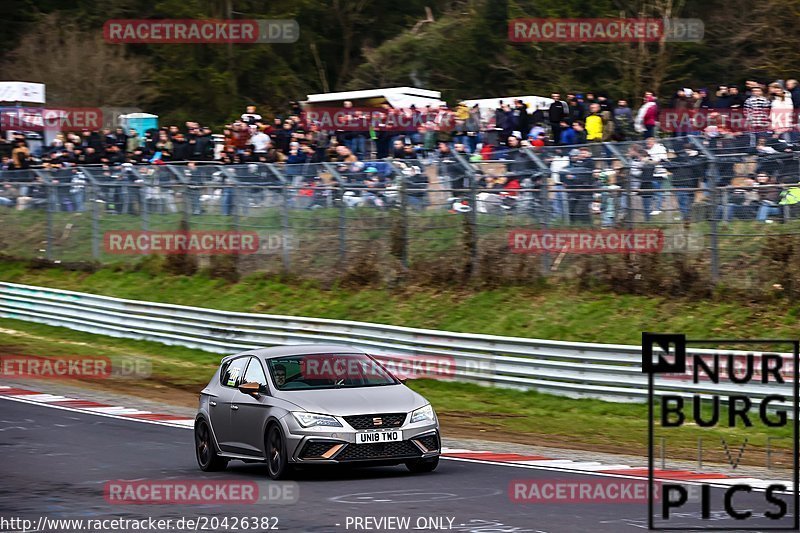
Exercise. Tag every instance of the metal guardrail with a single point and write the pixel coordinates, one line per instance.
(606, 371)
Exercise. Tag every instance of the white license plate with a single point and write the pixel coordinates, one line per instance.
(371, 437)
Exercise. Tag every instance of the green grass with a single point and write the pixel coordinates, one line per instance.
(175, 365)
(549, 311)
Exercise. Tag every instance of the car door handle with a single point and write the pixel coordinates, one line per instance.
(213, 404)
(235, 407)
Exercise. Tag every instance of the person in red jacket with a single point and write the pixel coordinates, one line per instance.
(647, 117)
(512, 187)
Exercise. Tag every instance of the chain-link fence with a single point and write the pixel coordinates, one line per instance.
(719, 204)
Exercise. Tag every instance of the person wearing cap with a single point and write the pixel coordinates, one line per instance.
(647, 117)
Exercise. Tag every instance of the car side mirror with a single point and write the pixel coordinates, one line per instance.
(253, 389)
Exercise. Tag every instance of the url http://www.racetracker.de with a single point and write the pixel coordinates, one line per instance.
(102, 525)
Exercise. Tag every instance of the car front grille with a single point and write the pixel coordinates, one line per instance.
(391, 420)
(431, 442)
(381, 450)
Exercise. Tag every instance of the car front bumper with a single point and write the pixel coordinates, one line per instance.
(331, 445)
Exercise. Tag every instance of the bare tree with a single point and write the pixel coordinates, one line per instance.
(78, 67)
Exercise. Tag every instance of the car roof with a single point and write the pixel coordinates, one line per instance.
(297, 349)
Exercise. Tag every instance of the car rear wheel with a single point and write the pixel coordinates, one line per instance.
(207, 456)
(420, 466)
(275, 448)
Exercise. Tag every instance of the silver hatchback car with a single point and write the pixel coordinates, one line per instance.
(312, 404)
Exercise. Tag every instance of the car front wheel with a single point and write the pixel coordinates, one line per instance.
(207, 456)
(420, 466)
(275, 449)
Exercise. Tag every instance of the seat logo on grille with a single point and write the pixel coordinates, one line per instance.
(377, 421)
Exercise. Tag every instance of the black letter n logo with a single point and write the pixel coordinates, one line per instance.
(663, 341)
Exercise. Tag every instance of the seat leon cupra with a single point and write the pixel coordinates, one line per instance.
(312, 404)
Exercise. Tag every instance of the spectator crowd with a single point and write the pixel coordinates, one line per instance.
(578, 118)
(567, 134)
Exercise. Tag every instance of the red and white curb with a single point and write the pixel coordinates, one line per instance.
(597, 468)
(75, 404)
(487, 457)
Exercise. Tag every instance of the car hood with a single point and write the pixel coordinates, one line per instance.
(356, 401)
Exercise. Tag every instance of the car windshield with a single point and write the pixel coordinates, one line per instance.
(328, 371)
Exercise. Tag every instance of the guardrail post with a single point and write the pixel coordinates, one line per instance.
(286, 237)
(142, 191)
(629, 222)
(51, 193)
(285, 229)
(402, 191)
(342, 211)
(342, 225)
(544, 199)
(187, 204)
(713, 233)
(545, 219)
(52, 202)
(235, 207)
(93, 197)
(471, 217)
(400, 238)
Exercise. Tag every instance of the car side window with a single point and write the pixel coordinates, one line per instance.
(233, 372)
(255, 373)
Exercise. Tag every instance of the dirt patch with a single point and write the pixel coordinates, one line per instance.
(151, 390)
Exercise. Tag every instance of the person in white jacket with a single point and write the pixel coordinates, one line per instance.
(657, 152)
(782, 111)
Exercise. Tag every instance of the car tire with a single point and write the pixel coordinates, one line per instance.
(275, 453)
(421, 466)
(208, 458)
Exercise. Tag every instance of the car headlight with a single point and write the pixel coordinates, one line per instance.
(308, 420)
(422, 414)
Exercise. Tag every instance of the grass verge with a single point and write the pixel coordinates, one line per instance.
(547, 311)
